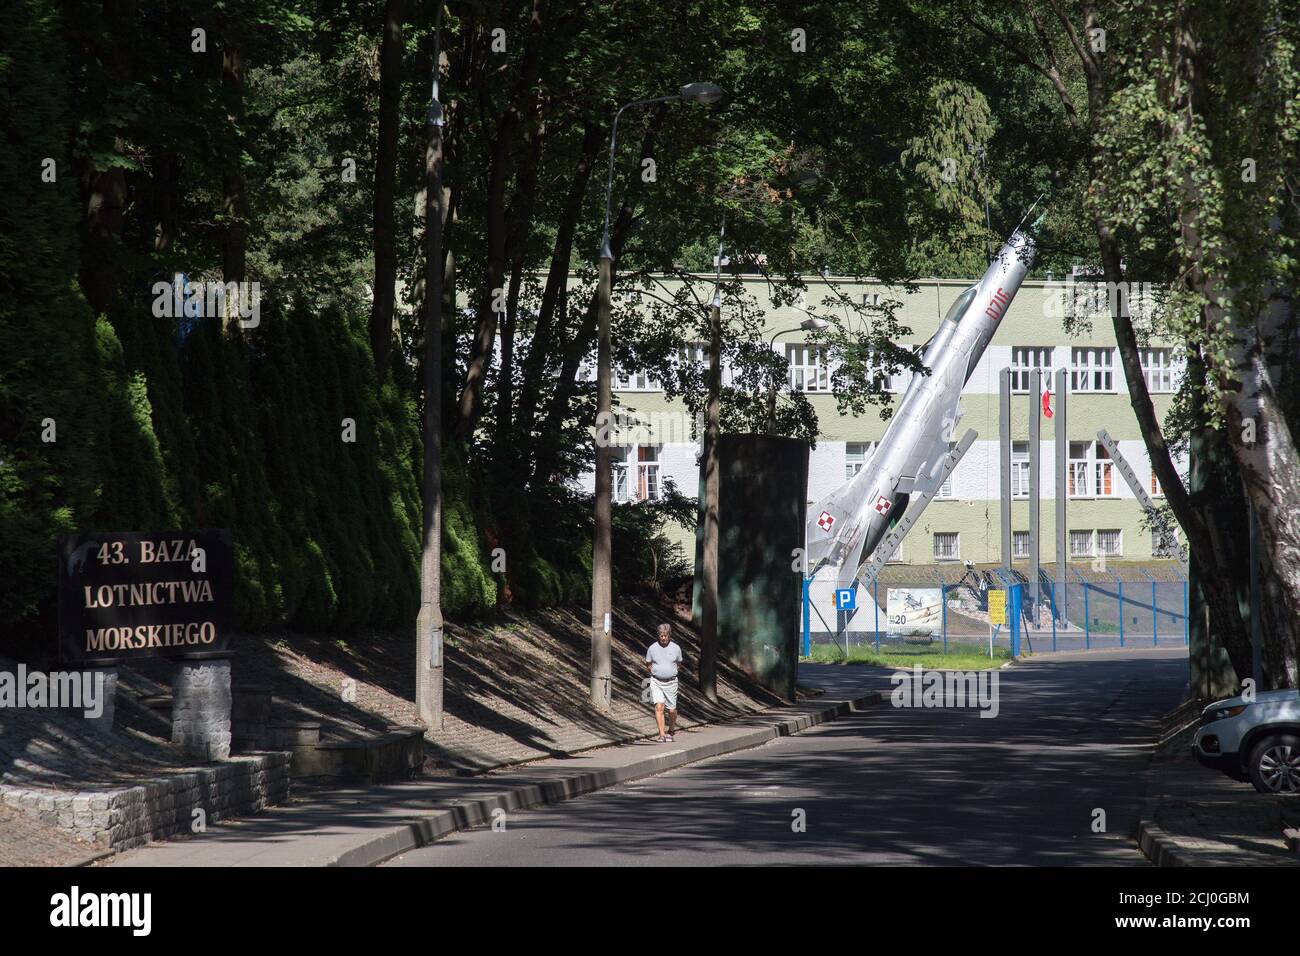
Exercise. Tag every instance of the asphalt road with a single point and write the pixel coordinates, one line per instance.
(886, 785)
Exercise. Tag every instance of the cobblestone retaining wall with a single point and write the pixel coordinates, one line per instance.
(128, 817)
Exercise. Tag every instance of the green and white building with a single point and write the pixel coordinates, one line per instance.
(963, 522)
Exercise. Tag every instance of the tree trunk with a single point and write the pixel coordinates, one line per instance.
(385, 227)
(554, 305)
(471, 397)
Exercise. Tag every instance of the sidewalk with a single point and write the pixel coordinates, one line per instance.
(1195, 816)
(363, 826)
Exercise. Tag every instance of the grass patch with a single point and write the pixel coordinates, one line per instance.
(964, 657)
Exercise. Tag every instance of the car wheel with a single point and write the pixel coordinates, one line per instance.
(1275, 765)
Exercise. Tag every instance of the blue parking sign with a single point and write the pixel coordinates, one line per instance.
(846, 599)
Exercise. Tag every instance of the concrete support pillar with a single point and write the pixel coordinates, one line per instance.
(201, 708)
(1004, 460)
(1062, 440)
(1035, 424)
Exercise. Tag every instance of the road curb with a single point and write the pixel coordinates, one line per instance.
(430, 828)
(1159, 847)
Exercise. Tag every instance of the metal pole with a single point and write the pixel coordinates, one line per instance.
(1087, 621)
(1256, 625)
(807, 622)
(943, 604)
(602, 611)
(1186, 619)
(429, 624)
(1062, 443)
(1120, 582)
(1004, 457)
(1035, 424)
(875, 600)
(1053, 594)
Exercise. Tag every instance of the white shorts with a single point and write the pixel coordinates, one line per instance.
(664, 692)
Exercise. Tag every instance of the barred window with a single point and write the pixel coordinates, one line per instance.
(1081, 544)
(947, 546)
(1020, 544)
(1110, 542)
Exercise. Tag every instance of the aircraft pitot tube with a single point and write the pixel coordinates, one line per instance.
(908, 465)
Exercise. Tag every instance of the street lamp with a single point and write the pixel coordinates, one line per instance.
(601, 578)
(429, 624)
(813, 323)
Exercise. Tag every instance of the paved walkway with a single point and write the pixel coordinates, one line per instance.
(365, 825)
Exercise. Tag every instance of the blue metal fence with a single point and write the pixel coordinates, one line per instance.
(1091, 608)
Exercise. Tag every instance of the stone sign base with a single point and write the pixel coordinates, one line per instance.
(201, 704)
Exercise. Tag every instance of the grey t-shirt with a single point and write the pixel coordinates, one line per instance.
(663, 660)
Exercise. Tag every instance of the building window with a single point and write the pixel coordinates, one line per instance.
(1080, 544)
(809, 371)
(870, 299)
(1092, 370)
(1026, 359)
(1020, 469)
(1158, 369)
(1156, 490)
(1110, 542)
(694, 355)
(1020, 544)
(636, 473)
(856, 454)
(634, 382)
(618, 463)
(1103, 471)
(1092, 472)
(946, 546)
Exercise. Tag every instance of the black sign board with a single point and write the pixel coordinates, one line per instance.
(128, 595)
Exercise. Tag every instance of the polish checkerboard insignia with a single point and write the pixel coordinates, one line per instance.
(883, 505)
(826, 521)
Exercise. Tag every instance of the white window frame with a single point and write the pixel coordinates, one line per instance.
(629, 472)
(1118, 552)
(1092, 369)
(1161, 376)
(1090, 474)
(1017, 537)
(1026, 358)
(956, 551)
(641, 381)
(808, 364)
(1092, 543)
(1020, 470)
(858, 459)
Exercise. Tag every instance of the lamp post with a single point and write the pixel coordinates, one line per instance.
(601, 577)
(813, 323)
(429, 623)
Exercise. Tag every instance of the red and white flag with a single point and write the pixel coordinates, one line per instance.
(1047, 402)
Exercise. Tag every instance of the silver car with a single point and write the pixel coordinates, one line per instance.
(1255, 740)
